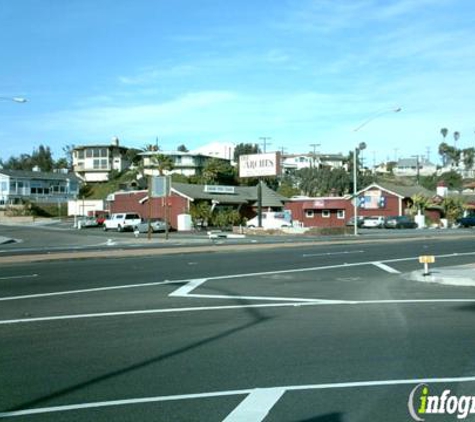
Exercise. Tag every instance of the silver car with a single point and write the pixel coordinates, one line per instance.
(157, 225)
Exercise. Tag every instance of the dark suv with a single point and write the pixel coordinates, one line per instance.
(399, 222)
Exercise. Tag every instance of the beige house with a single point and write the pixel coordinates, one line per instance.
(93, 163)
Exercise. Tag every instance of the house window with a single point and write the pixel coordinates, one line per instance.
(340, 214)
(309, 213)
(326, 213)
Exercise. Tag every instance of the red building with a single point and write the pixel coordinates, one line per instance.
(375, 200)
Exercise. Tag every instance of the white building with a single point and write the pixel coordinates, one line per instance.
(185, 163)
(223, 150)
(93, 163)
(300, 161)
(413, 167)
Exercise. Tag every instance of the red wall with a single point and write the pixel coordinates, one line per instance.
(298, 208)
(130, 202)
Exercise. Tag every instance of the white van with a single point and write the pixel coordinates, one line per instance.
(271, 220)
(122, 221)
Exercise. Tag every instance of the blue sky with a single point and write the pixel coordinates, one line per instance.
(197, 71)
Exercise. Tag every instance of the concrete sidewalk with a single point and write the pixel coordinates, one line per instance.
(463, 275)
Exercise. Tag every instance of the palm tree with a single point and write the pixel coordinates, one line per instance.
(456, 138)
(162, 162)
(444, 131)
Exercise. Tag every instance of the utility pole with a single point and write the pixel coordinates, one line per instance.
(265, 142)
(314, 156)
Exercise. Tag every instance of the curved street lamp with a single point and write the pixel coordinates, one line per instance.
(358, 148)
(14, 99)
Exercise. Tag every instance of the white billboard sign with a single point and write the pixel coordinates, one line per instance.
(259, 165)
(160, 186)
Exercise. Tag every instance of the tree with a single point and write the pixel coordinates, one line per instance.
(468, 157)
(456, 138)
(454, 207)
(42, 158)
(182, 148)
(243, 149)
(444, 131)
(68, 153)
(218, 171)
(162, 163)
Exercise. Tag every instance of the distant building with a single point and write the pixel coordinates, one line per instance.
(292, 162)
(413, 167)
(93, 163)
(223, 150)
(185, 163)
(18, 186)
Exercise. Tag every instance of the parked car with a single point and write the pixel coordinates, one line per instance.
(351, 221)
(373, 222)
(157, 225)
(271, 220)
(84, 222)
(122, 221)
(399, 222)
(467, 221)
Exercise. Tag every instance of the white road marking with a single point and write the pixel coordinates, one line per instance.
(316, 302)
(13, 277)
(94, 289)
(225, 277)
(386, 268)
(256, 405)
(216, 394)
(307, 255)
(188, 287)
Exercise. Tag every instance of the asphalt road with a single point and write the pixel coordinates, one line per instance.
(314, 333)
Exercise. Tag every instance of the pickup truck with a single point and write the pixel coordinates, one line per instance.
(467, 221)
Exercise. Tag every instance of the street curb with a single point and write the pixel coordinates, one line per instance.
(159, 249)
(463, 276)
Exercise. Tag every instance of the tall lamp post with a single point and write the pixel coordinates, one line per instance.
(358, 148)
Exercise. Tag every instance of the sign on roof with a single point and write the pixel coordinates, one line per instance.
(160, 186)
(219, 189)
(258, 165)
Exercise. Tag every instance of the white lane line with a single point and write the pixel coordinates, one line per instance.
(316, 302)
(13, 277)
(284, 299)
(188, 287)
(94, 289)
(307, 255)
(256, 405)
(232, 276)
(386, 268)
(217, 394)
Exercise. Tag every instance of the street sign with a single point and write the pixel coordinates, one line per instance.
(260, 165)
(160, 186)
(426, 259)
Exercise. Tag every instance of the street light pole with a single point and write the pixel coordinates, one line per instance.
(361, 147)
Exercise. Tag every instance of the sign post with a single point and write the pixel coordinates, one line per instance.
(426, 260)
(159, 187)
(260, 165)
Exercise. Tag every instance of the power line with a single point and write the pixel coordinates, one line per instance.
(265, 142)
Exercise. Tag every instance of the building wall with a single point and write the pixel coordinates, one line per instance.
(131, 202)
(336, 212)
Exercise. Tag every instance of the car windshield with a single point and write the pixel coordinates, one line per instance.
(246, 210)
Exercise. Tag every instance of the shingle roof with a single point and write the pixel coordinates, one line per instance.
(405, 191)
(242, 195)
(38, 175)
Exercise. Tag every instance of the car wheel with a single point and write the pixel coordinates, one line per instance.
(252, 226)
(105, 228)
(119, 228)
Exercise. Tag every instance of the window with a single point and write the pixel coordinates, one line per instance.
(326, 213)
(309, 214)
(340, 214)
